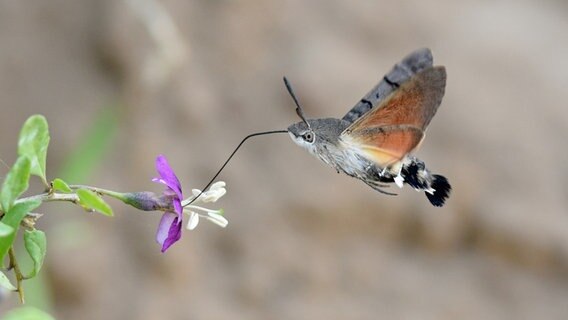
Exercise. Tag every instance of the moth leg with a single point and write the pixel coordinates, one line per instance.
(378, 186)
(384, 192)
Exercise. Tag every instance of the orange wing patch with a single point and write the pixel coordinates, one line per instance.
(391, 130)
(385, 145)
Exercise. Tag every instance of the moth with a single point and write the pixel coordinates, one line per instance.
(374, 141)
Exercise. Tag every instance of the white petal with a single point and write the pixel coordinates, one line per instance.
(193, 221)
(217, 219)
(220, 192)
(214, 195)
(194, 207)
(218, 185)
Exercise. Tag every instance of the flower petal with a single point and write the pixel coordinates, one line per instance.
(216, 194)
(167, 175)
(211, 195)
(217, 219)
(178, 207)
(169, 230)
(193, 220)
(218, 185)
(195, 192)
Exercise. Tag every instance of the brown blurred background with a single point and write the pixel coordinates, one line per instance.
(190, 78)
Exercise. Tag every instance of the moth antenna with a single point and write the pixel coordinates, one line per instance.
(299, 109)
(230, 157)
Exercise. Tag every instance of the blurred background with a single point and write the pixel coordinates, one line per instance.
(123, 81)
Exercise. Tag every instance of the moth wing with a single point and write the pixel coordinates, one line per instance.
(385, 145)
(414, 103)
(396, 127)
(412, 64)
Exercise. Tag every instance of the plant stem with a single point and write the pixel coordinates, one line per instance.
(71, 197)
(45, 197)
(109, 193)
(19, 276)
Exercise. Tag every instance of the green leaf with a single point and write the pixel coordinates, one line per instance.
(91, 200)
(12, 219)
(5, 282)
(36, 245)
(16, 183)
(61, 185)
(33, 142)
(5, 230)
(27, 313)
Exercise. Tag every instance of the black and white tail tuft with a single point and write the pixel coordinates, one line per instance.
(417, 176)
(441, 192)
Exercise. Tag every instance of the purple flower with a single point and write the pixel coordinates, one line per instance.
(169, 229)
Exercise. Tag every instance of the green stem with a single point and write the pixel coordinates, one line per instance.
(19, 276)
(71, 197)
(46, 197)
(110, 193)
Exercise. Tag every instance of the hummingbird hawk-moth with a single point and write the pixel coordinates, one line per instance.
(374, 140)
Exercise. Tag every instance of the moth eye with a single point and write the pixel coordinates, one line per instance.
(308, 137)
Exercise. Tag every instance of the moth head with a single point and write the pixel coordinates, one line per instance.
(317, 133)
(302, 134)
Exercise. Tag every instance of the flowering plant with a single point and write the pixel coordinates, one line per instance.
(169, 229)
(17, 212)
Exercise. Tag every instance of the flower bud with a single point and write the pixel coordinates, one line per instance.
(147, 201)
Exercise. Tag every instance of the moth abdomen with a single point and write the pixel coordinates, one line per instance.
(416, 175)
(441, 192)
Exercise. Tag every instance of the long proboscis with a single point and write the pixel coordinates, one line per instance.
(231, 156)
